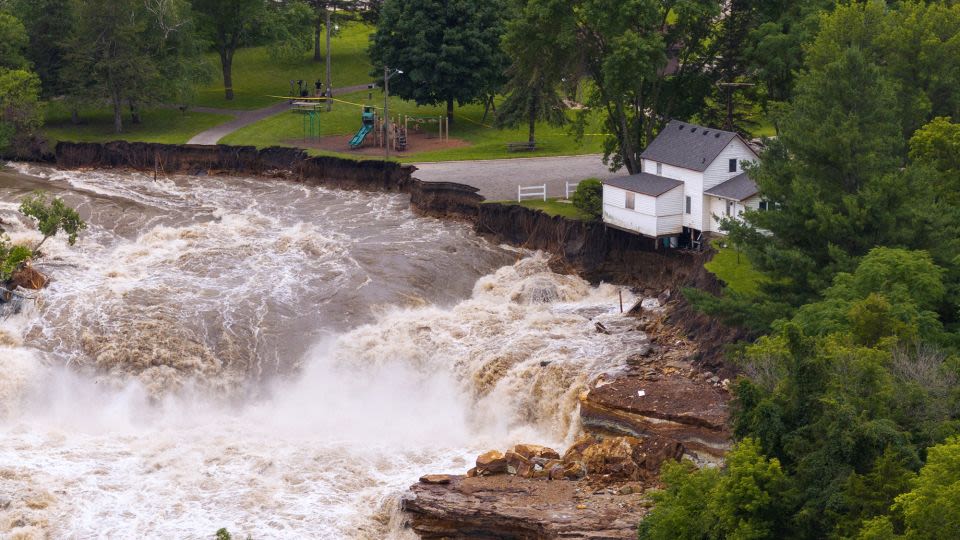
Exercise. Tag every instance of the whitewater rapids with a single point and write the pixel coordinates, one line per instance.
(277, 359)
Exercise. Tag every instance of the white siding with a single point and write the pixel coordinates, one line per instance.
(718, 209)
(651, 216)
(719, 172)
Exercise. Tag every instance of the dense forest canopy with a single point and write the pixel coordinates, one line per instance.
(847, 412)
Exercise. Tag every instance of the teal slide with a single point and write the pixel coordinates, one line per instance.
(357, 139)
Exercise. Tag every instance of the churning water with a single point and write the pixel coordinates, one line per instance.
(278, 359)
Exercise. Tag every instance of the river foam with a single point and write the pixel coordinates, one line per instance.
(389, 381)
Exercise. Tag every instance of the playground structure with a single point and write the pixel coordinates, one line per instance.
(369, 123)
(310, 109)
(373, 122)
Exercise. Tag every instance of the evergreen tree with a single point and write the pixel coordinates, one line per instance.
(449, 50)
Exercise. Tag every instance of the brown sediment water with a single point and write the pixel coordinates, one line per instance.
(278, 359)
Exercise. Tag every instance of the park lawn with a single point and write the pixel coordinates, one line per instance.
(552, 207)
(485, 141)
(736, 271)
(159, 125)
(256, 76)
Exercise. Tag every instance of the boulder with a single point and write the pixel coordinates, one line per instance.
(435, 479)
(517, 463)
(490, 463)
(531, 451)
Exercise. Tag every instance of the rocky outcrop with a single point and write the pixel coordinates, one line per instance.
(663, 407)
(445, 199)
(500, 507)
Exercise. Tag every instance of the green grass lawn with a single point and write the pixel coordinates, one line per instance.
(485, 141)
(256, 75)
(553, 207)
(159, 125)
(734, 269)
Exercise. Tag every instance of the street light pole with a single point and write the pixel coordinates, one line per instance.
(329, 90)
(386, 107)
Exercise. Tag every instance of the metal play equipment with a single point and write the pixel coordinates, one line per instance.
(311, 118)
(369, 118)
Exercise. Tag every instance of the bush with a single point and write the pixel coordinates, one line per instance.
(11, 257)
(52, 216)
(588, 198)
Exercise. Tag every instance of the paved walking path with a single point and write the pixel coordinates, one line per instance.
(498, 178)
(245, 118)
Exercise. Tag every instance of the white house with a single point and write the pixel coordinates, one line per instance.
(692, 177)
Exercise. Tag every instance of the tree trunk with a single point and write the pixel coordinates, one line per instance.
(135, 112)
(533, 119)
(117, 112)
(450, 110)
(226, 61)
(316, 40)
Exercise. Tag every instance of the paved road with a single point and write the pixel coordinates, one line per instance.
(245, 118)
(498, 179)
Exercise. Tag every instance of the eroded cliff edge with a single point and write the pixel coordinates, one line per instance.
(668, 400)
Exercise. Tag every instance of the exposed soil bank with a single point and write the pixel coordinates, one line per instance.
(590, 249)
(669, 391)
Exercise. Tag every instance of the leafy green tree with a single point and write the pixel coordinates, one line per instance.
(748, 499)
(11, 257)
(937, 144)
(291, 29)
(449, 50)
(49, 25)
(13, 42)
(647, 62)
(228, 24)
(21, 112)
(588, 197)
(540, 61)
(132, 52)
(53, 216)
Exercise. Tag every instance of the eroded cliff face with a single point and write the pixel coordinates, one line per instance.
(666, 399)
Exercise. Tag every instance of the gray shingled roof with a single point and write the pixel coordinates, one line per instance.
(644, 183)
(688, 145)
(738, 188)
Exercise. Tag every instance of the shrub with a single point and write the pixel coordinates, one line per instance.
(52, 216)
(588, 197)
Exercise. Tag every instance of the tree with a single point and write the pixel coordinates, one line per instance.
(539, 63)
(748, 499)
(13, 41)
(227, 23)
(21, 113)
(449, 50)
(49, 25)
(648, 62)
(290, 28)
(53, 216)
(937, 144)
(132, 52)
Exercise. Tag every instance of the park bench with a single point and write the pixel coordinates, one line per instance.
(521, 146)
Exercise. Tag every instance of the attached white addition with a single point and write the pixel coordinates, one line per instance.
(692, 177)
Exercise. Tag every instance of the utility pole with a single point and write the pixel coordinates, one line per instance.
(730, 87)
(386, 105)
(329, 75)
(386, 112)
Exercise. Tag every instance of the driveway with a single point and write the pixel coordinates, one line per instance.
(498, 179)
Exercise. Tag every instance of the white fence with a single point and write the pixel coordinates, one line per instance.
(532, 192)
(571, 187)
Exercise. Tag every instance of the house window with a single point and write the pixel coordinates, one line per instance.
(763, 206)
(733, 165)
(689, 203)
(631, 201)
(729, 208)
(659, 169)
